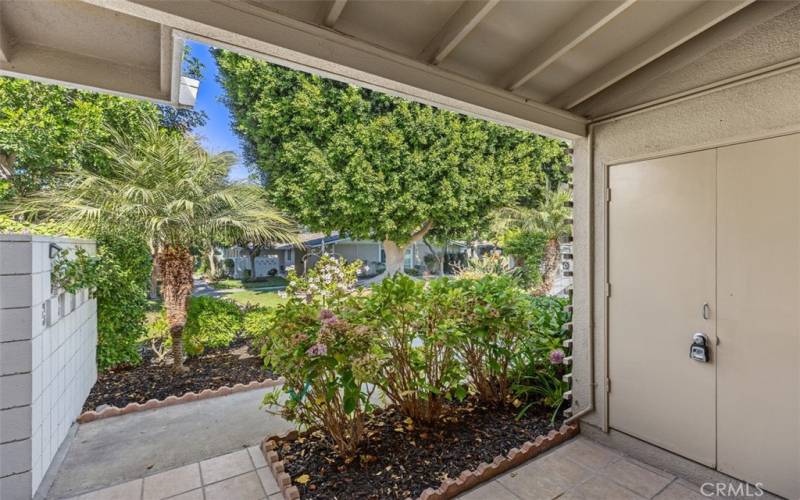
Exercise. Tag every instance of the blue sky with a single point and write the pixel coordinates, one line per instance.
(216, 135)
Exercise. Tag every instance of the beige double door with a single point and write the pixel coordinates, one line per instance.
(709, 242)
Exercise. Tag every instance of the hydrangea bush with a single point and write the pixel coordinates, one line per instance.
(327, 359)
(419, 344)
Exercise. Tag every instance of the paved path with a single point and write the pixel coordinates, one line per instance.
(578, 469)
(202, 288)
(584, 469)
(127, 448)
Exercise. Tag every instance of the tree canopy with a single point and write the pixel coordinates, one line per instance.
(46, 129)
(339, 157)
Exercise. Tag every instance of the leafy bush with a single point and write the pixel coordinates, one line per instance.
(121, 292)
(328, 360)
(210, 323)
(157, 336)
(540, 372)
(528, 248)
(119, 277)
(418, 333)
(496, 324)
(328, 282)
(421, 343)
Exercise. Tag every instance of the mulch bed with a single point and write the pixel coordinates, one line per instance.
(238, 363)
(401, 460)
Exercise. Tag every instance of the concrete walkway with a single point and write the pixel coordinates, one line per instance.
(202, 288)
(127, 448)
(582, 469)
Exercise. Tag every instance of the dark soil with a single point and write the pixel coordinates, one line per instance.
(401, 460)
(236, 364)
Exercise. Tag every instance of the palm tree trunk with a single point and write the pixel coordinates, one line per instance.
(176, 288)
(552, 257)
(154, 279)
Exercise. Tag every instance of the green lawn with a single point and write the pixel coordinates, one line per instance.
(271, 281)
(256, 298)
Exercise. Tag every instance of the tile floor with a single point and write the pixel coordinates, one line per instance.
(241, 475)
(582, 470)
(579, 469)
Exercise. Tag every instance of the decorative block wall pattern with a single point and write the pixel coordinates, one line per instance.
(47, 360)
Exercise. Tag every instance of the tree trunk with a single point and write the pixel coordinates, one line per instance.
(177, 349)
(552, 257)
(7, 165)
(439, 258)
(395, 254)
(395, 257)
(212, 264)
(154, 279)
(176, 287)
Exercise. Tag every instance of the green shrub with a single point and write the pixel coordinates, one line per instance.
(527, 247)
(121, 292)
(211, 322)
(215, 323)
(421, 343)
(327, 358)
(418, 334)
(157, 336)
(497, 323)
(540, 370)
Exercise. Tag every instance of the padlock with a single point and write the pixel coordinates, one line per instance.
(698, 351)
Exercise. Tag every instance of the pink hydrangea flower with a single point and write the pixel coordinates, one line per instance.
(317, 350)
(556, 357)
(328, 317)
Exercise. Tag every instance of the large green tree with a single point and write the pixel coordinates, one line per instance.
(342, 158)
(46, 129)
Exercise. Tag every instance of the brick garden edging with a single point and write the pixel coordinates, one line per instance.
(501, 463)
(449, 487)
(113, 411)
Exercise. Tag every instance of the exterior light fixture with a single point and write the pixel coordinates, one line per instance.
(54, 250)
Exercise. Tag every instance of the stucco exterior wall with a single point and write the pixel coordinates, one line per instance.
(47, 360)
(759, 109)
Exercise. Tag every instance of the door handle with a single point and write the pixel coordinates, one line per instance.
(706, 311)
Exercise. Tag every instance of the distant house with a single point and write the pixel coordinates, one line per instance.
(278, 259)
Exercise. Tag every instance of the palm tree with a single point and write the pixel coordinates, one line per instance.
(552, 217)
(164, 186)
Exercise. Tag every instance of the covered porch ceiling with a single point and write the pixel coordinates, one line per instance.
(538, 65)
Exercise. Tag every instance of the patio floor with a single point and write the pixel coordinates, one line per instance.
(190, 452)
(582, 469)
(120, 451)
(578, 469)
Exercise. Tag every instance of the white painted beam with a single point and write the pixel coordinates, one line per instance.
(685, 28)
(5, 43)
(49, 65)
(335, 10)
(166, 59)
(566, 37)
(300, 45)
(460, 24)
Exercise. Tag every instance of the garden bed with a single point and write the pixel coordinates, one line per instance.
(401, 460)
(236, 364)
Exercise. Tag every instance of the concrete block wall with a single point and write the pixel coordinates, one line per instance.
(47, 359)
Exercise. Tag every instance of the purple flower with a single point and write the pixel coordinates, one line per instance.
(317, 350)
(328, 317)
(556, 357)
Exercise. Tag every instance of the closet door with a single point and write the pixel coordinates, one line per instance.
(661, 273)
(758, 298)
